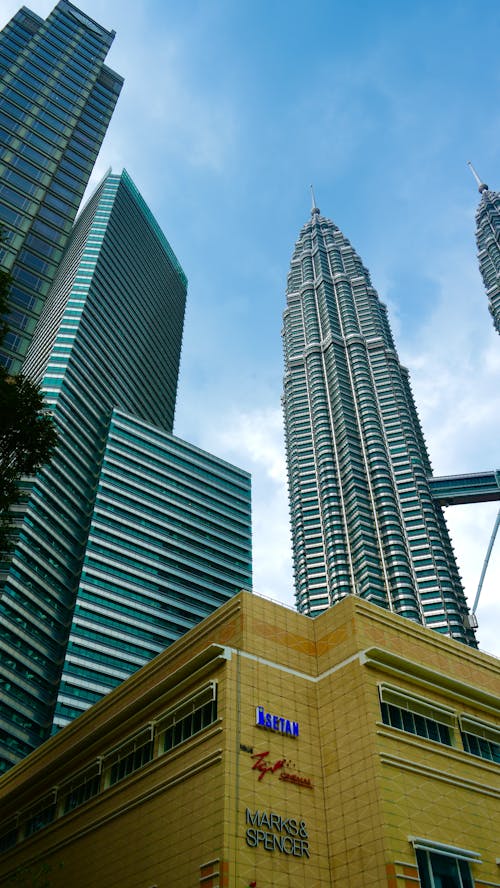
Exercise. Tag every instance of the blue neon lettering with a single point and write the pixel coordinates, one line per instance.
(275, 722)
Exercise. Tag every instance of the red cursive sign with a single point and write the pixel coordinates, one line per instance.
(264, 766)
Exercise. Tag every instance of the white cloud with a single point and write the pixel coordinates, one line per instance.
(163, 115)
(254, 439)
(259, 436)
(454, 360)
(471, 528)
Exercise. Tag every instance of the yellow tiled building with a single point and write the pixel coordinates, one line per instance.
(266, 748)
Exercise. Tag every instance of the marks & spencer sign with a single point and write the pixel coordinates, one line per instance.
(287, 835)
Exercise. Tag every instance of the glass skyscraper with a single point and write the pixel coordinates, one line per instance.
(129, 535)
(363, 517)
(169, 541)
(488, 245)
(56, 99)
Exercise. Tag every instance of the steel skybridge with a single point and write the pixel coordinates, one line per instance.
(476, 487)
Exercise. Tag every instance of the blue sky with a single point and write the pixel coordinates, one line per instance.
(229, 111)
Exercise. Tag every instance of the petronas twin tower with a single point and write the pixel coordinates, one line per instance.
(363, 517)
(488, 245)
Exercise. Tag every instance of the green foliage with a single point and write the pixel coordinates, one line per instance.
(27, 433)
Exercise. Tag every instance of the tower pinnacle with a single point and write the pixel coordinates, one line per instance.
(481, 185)
(314, 208)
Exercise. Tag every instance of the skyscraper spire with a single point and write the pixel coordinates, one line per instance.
(314, 208)
(363, 518)
(481, 185)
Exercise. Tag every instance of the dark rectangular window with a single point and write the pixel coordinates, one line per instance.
(13, 110)
(58, 204)
(481, 747)
(40, 816)
(40, 245)
(9, 215)
(34, 262)
(50, 135)
(130, 759)
(29, 279)
(84, 787)
(441, 869)
(20, 182)
(35, 155)
(46, 213)
(413, 723)
(40, 227)
(17, 319)
(189, 718)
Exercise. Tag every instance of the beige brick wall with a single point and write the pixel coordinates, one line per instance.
(356, 789)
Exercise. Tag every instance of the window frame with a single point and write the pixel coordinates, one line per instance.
(463, 857)
(480, 730)
(182, 710)
(420, 708)
(143, 739)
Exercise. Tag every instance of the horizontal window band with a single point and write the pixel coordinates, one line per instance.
(487, 731)
(419, 705)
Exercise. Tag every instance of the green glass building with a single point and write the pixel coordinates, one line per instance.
(488, 245)
(363, 517)
(169, 541)
(56, 100)
(129, 535)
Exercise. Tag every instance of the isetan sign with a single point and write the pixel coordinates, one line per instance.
(276, 723)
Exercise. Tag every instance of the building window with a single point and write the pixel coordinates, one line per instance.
(80, 788)
(416, 715)
(39, 815)
(480, 738)
(443, 866)
(415, 724)
(188, 717)
(129, 757)
(481, 747)
(440, 871)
